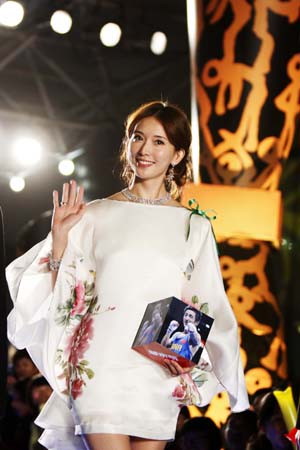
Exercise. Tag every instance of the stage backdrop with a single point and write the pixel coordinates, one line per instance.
(248, 85)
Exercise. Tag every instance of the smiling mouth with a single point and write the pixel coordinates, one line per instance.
(144, 162)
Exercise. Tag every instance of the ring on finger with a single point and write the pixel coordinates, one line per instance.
(63, 203)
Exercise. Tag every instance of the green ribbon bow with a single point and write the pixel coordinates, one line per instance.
(195, 209)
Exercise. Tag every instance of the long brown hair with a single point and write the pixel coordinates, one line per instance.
(178, 131)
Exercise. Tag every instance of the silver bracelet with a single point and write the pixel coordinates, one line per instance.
(54, 264)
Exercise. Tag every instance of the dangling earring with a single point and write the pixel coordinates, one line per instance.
(170, 177)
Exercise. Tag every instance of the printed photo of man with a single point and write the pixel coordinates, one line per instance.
(187, 342)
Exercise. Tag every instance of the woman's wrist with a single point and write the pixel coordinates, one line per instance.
(58, 248)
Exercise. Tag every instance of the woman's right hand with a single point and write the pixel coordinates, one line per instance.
(67, 213)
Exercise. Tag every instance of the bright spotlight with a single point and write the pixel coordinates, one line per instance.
(17, 184)
(27, 151)
(110, 34)
(11, 13)
(66, 167)
(61, 22)
(158, 43)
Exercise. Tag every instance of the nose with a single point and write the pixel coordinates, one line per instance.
(144, 148)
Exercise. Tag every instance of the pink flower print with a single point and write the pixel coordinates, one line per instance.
(79, 303)
(79, 342)
(179, 392)
(76, 388)
(44, 260)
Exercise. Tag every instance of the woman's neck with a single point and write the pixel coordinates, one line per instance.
(149, 189)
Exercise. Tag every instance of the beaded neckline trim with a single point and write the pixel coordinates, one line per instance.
(146, 201)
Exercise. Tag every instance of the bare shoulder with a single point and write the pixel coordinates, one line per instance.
(116, 196)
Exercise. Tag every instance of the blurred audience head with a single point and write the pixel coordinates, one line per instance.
(23, 365)
(200, 433)
(40, 392)
(238, 428)
(259, 442)
(271, 423)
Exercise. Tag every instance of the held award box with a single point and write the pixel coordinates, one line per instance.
(172, 329)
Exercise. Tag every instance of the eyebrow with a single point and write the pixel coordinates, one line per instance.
(156, 135)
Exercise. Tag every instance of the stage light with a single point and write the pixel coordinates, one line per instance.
(61, 22)
(27, 151)
(158, 43)
(66, 167)
(11, 13)
(17, 184)
(110, 34)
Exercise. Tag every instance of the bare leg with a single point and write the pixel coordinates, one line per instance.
(103, 441)
(146, 444)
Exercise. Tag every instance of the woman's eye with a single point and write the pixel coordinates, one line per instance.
(159, 142)
(137, 137)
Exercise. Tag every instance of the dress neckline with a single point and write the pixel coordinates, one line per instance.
(145, 205)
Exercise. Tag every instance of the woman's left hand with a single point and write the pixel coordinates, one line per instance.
(175, 369)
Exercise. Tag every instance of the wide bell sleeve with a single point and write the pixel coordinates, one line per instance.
(204, 286)
(42, 318)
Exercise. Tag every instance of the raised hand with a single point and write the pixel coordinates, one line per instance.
(173, 325)
(66, 214)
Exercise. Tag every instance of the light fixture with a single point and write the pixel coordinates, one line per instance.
(11, 13)
(27, 151)
(66, 167)
(158, 43)
(110, 34)
(17, 184)
(61, 22)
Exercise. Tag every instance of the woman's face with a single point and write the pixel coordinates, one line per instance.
(150, 152)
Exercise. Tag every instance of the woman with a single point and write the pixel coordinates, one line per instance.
(78, 310)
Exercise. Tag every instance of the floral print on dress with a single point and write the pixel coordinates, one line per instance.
(186, 392)
(82, 300)
(76, 314)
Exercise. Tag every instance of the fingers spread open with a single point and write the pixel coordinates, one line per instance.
(65, 194)
(72, 192)
(79, 199)
(55, 199)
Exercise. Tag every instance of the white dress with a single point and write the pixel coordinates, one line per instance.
(120, 257)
